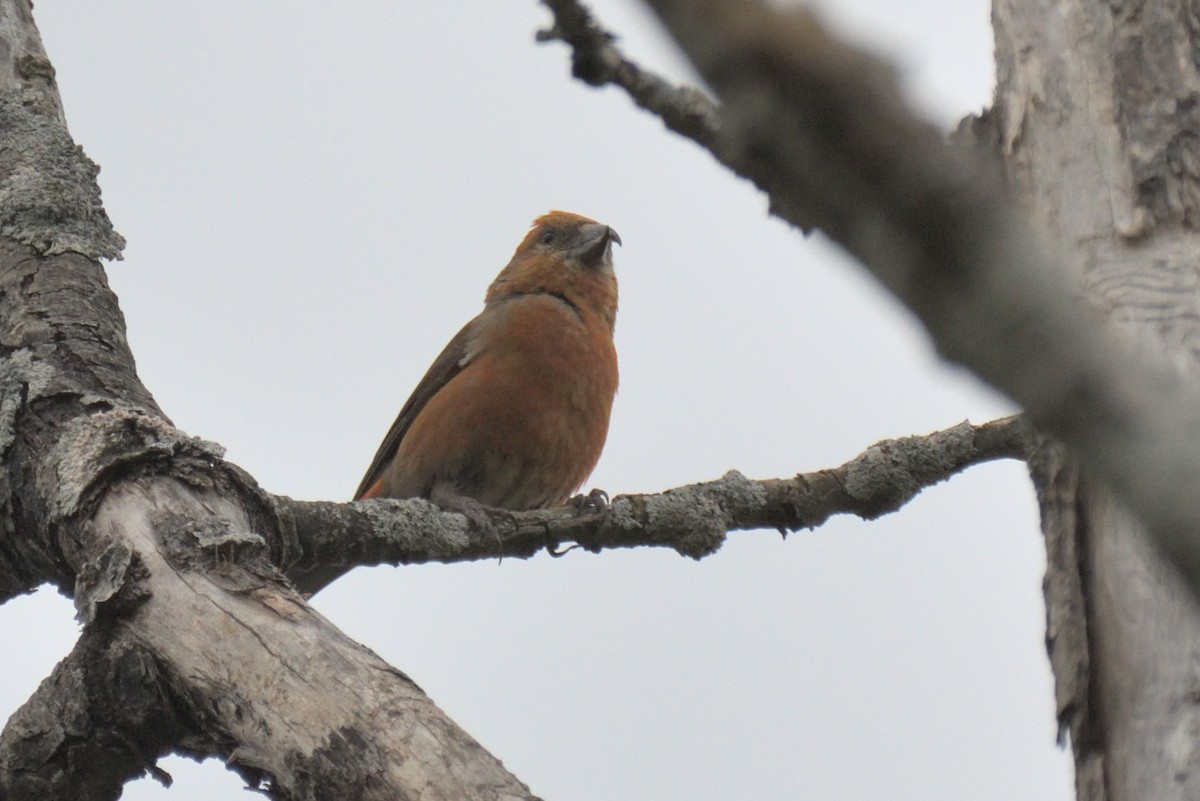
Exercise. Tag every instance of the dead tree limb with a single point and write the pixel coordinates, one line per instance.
(327, 539)
(193, 639)
(822, 129)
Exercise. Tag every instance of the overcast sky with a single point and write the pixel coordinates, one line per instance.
(316, 196)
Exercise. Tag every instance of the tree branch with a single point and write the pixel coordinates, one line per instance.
(160, 542)
(102, 718)
(597, 61)
(823, 130)
(323, 539)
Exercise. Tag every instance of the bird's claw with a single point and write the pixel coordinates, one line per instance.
(594, 502)
(552, 549)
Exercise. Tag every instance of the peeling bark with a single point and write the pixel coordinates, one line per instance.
(97, 722)
(1114, 177)
(193, 640)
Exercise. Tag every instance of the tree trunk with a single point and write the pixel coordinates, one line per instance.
(1097, 118)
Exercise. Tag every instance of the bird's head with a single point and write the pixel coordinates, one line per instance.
(561, 235)
(568, 256)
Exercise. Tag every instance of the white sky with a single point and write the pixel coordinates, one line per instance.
(316, 197)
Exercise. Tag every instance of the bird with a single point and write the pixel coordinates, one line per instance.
(514, 412)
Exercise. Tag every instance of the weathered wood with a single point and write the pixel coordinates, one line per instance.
(275, 688)
(1098, 122)
(193, 640)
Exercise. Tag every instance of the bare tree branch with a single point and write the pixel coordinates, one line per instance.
(822, 129)
(102, 718)
(161, 543)
(326, 539)
(596, 60)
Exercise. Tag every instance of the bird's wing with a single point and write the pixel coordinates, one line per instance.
(449, 363)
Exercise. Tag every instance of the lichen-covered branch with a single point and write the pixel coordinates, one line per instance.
(326, 539)
(823, 130)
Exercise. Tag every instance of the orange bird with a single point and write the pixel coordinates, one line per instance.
(514, 412)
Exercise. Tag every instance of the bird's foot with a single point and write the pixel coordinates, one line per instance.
(479, 515)
(594, 502)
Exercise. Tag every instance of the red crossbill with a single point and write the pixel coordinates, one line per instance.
(514, 412)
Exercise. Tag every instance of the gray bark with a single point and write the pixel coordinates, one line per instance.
(195, 638)
(329, 538)
(1095, 122)
(194, 641)
(1095, 106)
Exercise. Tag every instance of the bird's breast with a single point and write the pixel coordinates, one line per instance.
(546, 343)
(523, 424)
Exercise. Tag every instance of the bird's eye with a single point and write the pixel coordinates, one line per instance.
(548, 238)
